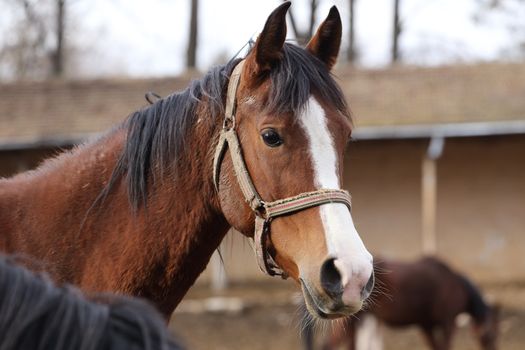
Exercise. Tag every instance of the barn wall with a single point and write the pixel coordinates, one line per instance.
(384, 179)
(481, 206)
(480, 209)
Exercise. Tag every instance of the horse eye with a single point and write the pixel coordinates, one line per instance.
(271, 138)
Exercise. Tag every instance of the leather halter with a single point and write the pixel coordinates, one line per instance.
(265, 212)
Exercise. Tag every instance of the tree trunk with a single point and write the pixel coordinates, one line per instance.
(191, 58)
(313, 10)
(396, 32)
(303, 36)
(58, 55)
(299, 35)
(350, 54)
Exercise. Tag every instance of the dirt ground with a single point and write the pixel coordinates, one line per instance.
(266, 316)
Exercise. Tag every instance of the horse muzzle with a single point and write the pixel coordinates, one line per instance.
(336, 296)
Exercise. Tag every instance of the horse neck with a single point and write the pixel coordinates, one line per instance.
(6, 197)
(161, 248)
(35, 203)
(195, 225)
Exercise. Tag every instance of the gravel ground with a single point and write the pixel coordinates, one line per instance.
(266, 317)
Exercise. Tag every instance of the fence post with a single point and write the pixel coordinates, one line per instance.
(429, 195)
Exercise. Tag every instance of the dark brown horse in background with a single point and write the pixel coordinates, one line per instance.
(137, 212)
(426, 293)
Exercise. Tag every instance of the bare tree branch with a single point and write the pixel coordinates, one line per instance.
(350, 54)
(313, 10)
(303, 36)
(57, 57)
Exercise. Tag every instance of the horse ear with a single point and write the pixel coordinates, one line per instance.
(269, 44)
(327, 40)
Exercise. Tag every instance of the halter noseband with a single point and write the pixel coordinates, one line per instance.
(264, 211)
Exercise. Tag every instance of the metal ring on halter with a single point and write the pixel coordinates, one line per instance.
(228, 123)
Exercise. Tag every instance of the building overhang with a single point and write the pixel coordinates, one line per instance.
(415, 131)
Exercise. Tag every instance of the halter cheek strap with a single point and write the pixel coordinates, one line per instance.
(265, 212)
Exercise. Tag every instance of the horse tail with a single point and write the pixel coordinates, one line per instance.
(476, 306)
(34, 313)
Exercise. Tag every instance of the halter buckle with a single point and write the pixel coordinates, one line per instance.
(228, 123)
(259, 208)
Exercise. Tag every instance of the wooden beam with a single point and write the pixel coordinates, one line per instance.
(428, 203)
(219, 280)
(429, 195)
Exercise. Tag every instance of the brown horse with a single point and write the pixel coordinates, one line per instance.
(429, 294)
(141, 209)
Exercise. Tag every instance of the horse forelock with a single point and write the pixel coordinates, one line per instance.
(296, 77)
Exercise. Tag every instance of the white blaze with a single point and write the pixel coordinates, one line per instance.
(342, 240)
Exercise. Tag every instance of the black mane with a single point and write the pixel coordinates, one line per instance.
(36, 314)
(156, 134)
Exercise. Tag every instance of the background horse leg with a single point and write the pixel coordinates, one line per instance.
(440, 337)
(430, 336)
(448, 333)
(368, 333)
(307, 335)
(352, 325)
(343, 331)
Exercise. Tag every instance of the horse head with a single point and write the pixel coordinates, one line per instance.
(291, 126)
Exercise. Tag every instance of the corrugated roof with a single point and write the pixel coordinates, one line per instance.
(56, 110)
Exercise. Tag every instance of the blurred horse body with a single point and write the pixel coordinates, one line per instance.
(37, 314)
(426, 293)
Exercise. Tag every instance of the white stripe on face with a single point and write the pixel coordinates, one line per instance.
(342, 240)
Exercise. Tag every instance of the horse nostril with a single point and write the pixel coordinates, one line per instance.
(367, 289)
(331, 278)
